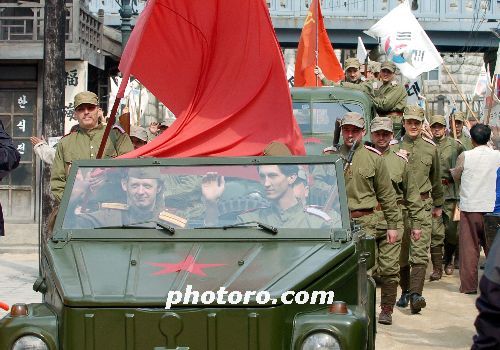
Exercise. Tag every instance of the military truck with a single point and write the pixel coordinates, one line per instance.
(134, 237)
(317, 111)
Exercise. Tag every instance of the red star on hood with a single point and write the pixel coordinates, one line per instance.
(189, 265)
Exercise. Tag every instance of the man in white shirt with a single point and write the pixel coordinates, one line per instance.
(477, 172)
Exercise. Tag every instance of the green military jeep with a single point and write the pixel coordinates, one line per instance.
(317, 111)
(201, 253)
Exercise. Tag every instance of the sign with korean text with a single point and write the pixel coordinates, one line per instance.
(76, 73)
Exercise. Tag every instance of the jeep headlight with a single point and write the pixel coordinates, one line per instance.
(29, 342)
(321, 341)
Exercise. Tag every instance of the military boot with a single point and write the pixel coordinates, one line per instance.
(449, 250)
(404, 283)
(385, 316)
(437, 263)
(417, 278)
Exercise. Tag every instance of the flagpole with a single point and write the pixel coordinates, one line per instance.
(493, 87)
(317, 40)
(460, 92)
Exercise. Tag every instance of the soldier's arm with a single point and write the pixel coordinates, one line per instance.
(388, 101)
(58, 173)
(123, 144)
(386, 194)
(328, 82)
(435, 178)
(364, 86)
(412, 198)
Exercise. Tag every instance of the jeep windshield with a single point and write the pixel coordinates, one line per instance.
(289, 196)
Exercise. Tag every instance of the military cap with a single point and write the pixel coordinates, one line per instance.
(459, 116)
(351, 63)
(374, 67)
(413, 112)
(438, 119)
(138, 132)
(145, 173)
(353, 118)
(381, 123)
(389, 66)
(85, 97)
(276, 148)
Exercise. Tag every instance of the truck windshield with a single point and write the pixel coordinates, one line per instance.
(281, 195)
(319, 117)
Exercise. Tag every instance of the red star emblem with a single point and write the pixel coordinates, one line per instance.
(189, 265)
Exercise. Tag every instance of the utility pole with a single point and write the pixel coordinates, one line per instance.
(53, 92)
(126, 12)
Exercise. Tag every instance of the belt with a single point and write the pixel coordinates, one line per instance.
(360, 212)
(424, 195)
(445, 182)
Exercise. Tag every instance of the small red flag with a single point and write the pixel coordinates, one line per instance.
(218, 67)
(315, 38)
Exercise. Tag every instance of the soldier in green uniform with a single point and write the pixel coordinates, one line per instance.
(408, 199)
(459, 123)
(144, 203)
(388, 96)
(444, 229)
(84, 143)
(424, 167)
(352, 73)
(285, 209)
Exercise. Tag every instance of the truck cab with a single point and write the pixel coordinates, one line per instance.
(317, 109)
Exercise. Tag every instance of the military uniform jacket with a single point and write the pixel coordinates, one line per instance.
(424, 166)
(293, 217)
(84, 144)
(368, 183)
(449, 150)
(466, 142)
(407, 193)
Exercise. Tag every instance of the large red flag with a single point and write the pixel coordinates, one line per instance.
(315, 38)
(218, 67)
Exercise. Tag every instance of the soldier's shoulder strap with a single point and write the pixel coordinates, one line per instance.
(169, 217)
(428, 140)
(374, 150)
(394, 83)
(115, 206)
(69, 134)
(393, 142)
(118, 128)
(330, 149)
(317, 212)
(401, 154)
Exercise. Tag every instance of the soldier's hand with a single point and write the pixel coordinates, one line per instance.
(437, 212)
(392, 236)
(319, 72)
(212, 186)
(416, 234)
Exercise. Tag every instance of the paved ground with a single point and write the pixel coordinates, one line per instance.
(446, 323)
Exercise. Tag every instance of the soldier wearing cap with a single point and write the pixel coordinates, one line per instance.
(368, 182)
(85, 142)
(459, 118)
(373, 70)
(444, 229)
(144, 203)
(351, 69)
(408, 199)
(138, 136)
(423, 160)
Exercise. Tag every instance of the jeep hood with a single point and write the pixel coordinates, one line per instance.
(100, 273)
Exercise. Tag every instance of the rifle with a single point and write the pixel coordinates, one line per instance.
(348, 158)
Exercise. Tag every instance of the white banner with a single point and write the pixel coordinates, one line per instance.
(76, 81)
(405, 42)
(361, 52)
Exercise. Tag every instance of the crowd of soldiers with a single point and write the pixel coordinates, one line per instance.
(400, 189)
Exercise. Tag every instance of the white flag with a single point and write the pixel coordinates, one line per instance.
(482, 83)
(405, 42)
(361, 51)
